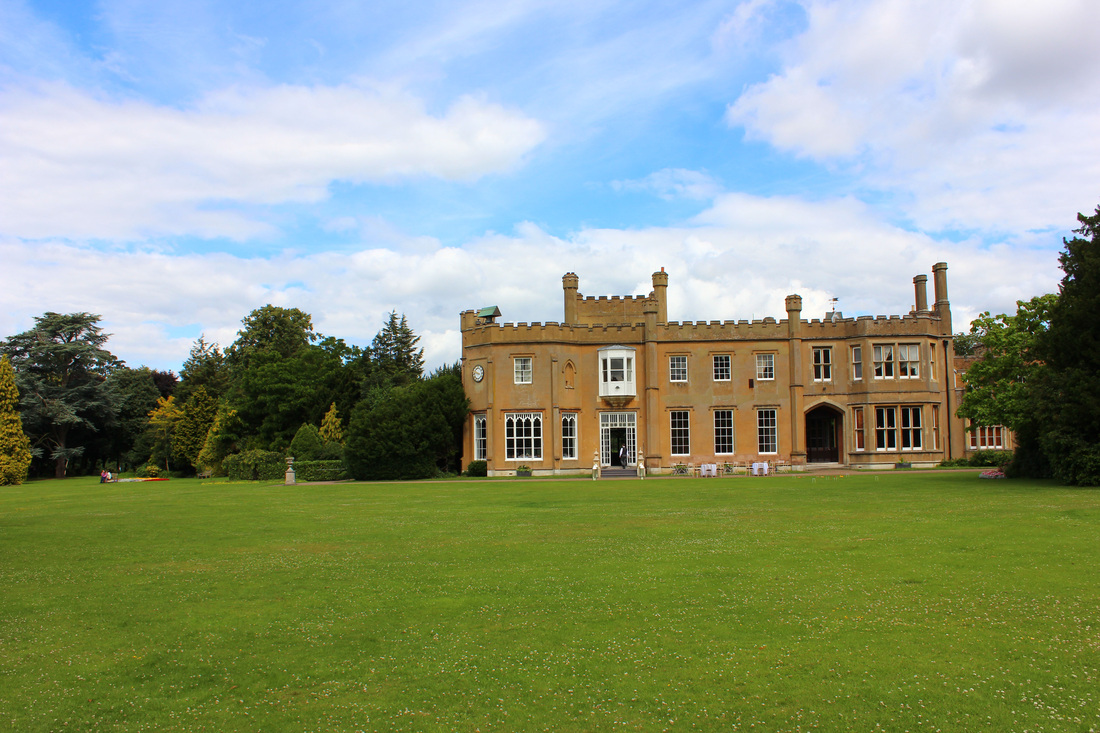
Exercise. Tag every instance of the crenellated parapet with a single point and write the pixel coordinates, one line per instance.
(550, 332)
(766, 329)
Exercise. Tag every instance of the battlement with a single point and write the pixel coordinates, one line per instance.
(768, 328)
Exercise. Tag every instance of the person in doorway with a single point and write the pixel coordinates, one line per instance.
(622, 457)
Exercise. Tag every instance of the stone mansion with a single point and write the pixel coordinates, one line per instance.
(616, 372)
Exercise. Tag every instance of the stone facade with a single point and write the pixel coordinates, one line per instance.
(849, 391)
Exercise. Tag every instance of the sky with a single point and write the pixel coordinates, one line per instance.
(173, 165)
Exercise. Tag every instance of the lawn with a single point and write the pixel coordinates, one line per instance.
(908, 601)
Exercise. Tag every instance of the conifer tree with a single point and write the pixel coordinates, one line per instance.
(1067, 397)
(331, 431)
(162, 426)
(196, 416)
(221, 440)
(307, 445)
(15, 447)
(61, 368)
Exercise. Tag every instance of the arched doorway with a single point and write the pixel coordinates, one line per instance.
(824, 434)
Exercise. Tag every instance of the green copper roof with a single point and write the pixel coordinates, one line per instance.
(490, 312)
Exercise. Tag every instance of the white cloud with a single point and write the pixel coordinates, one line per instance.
(973, 108)
(673, 183)
(83, 167)
(737, 260)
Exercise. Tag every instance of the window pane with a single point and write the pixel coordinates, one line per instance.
(723, 431)
(677, 369)
(681, 438)
(523, 370)
(767, 438)
(722, 367)
(568, 436)
(765, 366)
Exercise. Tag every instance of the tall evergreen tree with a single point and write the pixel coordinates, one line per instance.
(196, 416)
(161, 430)
(137, 394)
(413, 432)
(221, 440)
(61, 367)
(15, 447)
(1067, 398)
(395, 358)
(205, 367)
(331, 432)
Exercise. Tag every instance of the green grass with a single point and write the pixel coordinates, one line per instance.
(915, 601)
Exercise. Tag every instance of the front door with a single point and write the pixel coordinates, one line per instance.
(822, 430)
(616, 430)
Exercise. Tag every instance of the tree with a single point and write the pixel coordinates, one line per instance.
(221, 440)
(331, 432)
(61, 368)
(275, 394)
(271, 330)
(998, 384)
(1066, 399)
(165, 381)
(414, 432)
(206, 367)
(196, 416)
(136, 393)
(394, 359)
(307, 444)
(967, 344)
(162, 428)
(15, 447)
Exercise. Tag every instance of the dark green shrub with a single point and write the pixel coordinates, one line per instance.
(150, 470)
(319, 471)
(255, 465)
(477, 469)
(307, 444)
(985, 458)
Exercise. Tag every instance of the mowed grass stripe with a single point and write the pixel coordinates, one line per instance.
(908, 601)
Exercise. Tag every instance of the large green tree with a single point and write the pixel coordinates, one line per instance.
(274, 394)
(61, 369)
(197, 414)
(413, 432)
(136, 394)
(206, 366)
(1067, 397)
(271, 330)
(998, 384)
(393, 358)
(15, 447)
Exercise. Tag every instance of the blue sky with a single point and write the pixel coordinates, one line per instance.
(173, 165)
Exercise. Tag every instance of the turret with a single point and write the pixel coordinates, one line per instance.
(570, 282)
(660, 293)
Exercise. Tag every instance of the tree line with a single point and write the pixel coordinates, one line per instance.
(279, 386)
(1038, 371)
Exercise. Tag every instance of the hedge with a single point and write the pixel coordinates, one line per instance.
(319, 471)
(255, 465)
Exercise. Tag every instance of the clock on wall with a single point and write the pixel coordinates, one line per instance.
(479, 373)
